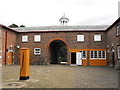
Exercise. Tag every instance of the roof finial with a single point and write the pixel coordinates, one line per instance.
(64, 15)
(63, 20)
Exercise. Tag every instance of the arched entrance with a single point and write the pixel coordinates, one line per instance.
(58, 52)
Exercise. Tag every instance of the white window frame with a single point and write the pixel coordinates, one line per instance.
(93, 55)
(24, 38)
(85, 54)
(102, 55)
(118, 30)
(96, 36)
(80, 38)
(36, 38)
(118, 51)
(97, 55)
(37, 51)
(90, 55)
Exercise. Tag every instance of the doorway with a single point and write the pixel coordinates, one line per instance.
(73, 58)
(113, 56)
(76, 58)
(58, 52)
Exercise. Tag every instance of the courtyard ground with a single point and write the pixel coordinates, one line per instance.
(60, 76)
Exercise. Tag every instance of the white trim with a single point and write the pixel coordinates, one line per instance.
(24, 38)
(80, 38)
(39, 52)
(98, 55)
(97, 37)
(90, 55)
(37, 38)
(59, 30)
(85, 54)
(118, 30)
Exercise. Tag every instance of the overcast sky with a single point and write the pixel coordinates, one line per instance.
(48, 12)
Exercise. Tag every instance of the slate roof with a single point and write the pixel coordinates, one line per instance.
(62, 28)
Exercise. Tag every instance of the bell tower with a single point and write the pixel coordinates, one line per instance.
(64, 20)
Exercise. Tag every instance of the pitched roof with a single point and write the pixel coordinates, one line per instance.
(3, 26)
(118, 20)
(62, 28)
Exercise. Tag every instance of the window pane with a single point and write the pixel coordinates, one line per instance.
(119, 52)
(91, 54)
(103, 54)
(37, 51)
(37, 38)
(84, 54)
(80, 38)
(95, 54)
(100, 54)
(25, 38)
(118, 30)
(97, 37)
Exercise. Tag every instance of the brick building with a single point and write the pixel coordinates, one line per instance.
(94, 45)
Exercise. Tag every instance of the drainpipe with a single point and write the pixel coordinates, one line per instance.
(6, 37)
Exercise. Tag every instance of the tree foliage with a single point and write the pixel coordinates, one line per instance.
(15, 26)
(22, 25)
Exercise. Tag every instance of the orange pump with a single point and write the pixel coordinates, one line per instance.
(24, 63)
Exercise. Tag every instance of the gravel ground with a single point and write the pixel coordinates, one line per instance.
(61, 76)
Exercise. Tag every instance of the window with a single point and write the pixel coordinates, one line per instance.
(37, 51)
(101, 54)
(83, 54)
(80, 38)
(95, 54)
(24, 38)
(118, 51)
(91, 53)
(97, 37)
(98, 54)
(118, 30)
(37, 38)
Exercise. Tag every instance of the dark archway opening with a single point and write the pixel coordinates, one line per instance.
(113, 56)
(58, 52)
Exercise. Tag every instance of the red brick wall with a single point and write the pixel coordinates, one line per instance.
(11, 40)
(69, 37)
(112, 37)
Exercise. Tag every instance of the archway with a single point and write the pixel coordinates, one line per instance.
(58, 52)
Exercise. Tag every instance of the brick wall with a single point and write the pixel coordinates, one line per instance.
(11, 40)
(70, 38)
(113, 41)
